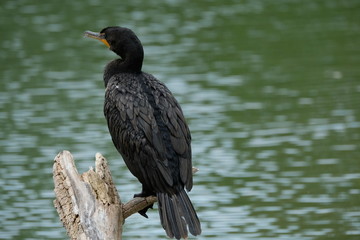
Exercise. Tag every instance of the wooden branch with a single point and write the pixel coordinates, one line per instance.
(89, 205)
(137, 204)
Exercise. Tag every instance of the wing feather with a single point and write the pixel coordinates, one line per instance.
(148, 143)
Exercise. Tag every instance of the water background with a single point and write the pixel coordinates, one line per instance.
(270, 89)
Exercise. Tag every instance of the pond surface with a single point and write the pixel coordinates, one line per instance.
(271, 91)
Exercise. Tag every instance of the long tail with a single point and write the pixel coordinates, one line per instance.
(176, 211)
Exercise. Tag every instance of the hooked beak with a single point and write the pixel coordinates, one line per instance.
(98, 36)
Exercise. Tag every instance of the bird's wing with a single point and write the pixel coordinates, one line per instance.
(131, 123)
(180, 138)
(150, 131)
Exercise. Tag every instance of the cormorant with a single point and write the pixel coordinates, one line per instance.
(149, 130)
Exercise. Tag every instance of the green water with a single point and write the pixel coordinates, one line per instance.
(271, 91)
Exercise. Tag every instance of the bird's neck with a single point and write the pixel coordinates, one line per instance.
(122, 65)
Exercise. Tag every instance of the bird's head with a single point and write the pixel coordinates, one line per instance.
(120, 40)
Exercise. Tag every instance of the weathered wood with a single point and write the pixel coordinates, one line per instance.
(137, 204)
(89, 205)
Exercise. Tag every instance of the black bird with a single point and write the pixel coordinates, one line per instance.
(149, 130)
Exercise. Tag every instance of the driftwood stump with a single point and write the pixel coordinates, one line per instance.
(89, 205)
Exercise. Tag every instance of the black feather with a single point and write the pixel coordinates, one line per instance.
(149, 130)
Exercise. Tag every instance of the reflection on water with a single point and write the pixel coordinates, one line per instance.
(270, 91)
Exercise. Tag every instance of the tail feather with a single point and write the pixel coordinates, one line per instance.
(176, 211)
(163, 215)
(190, 214)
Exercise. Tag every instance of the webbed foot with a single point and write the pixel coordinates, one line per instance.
(143, 211)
